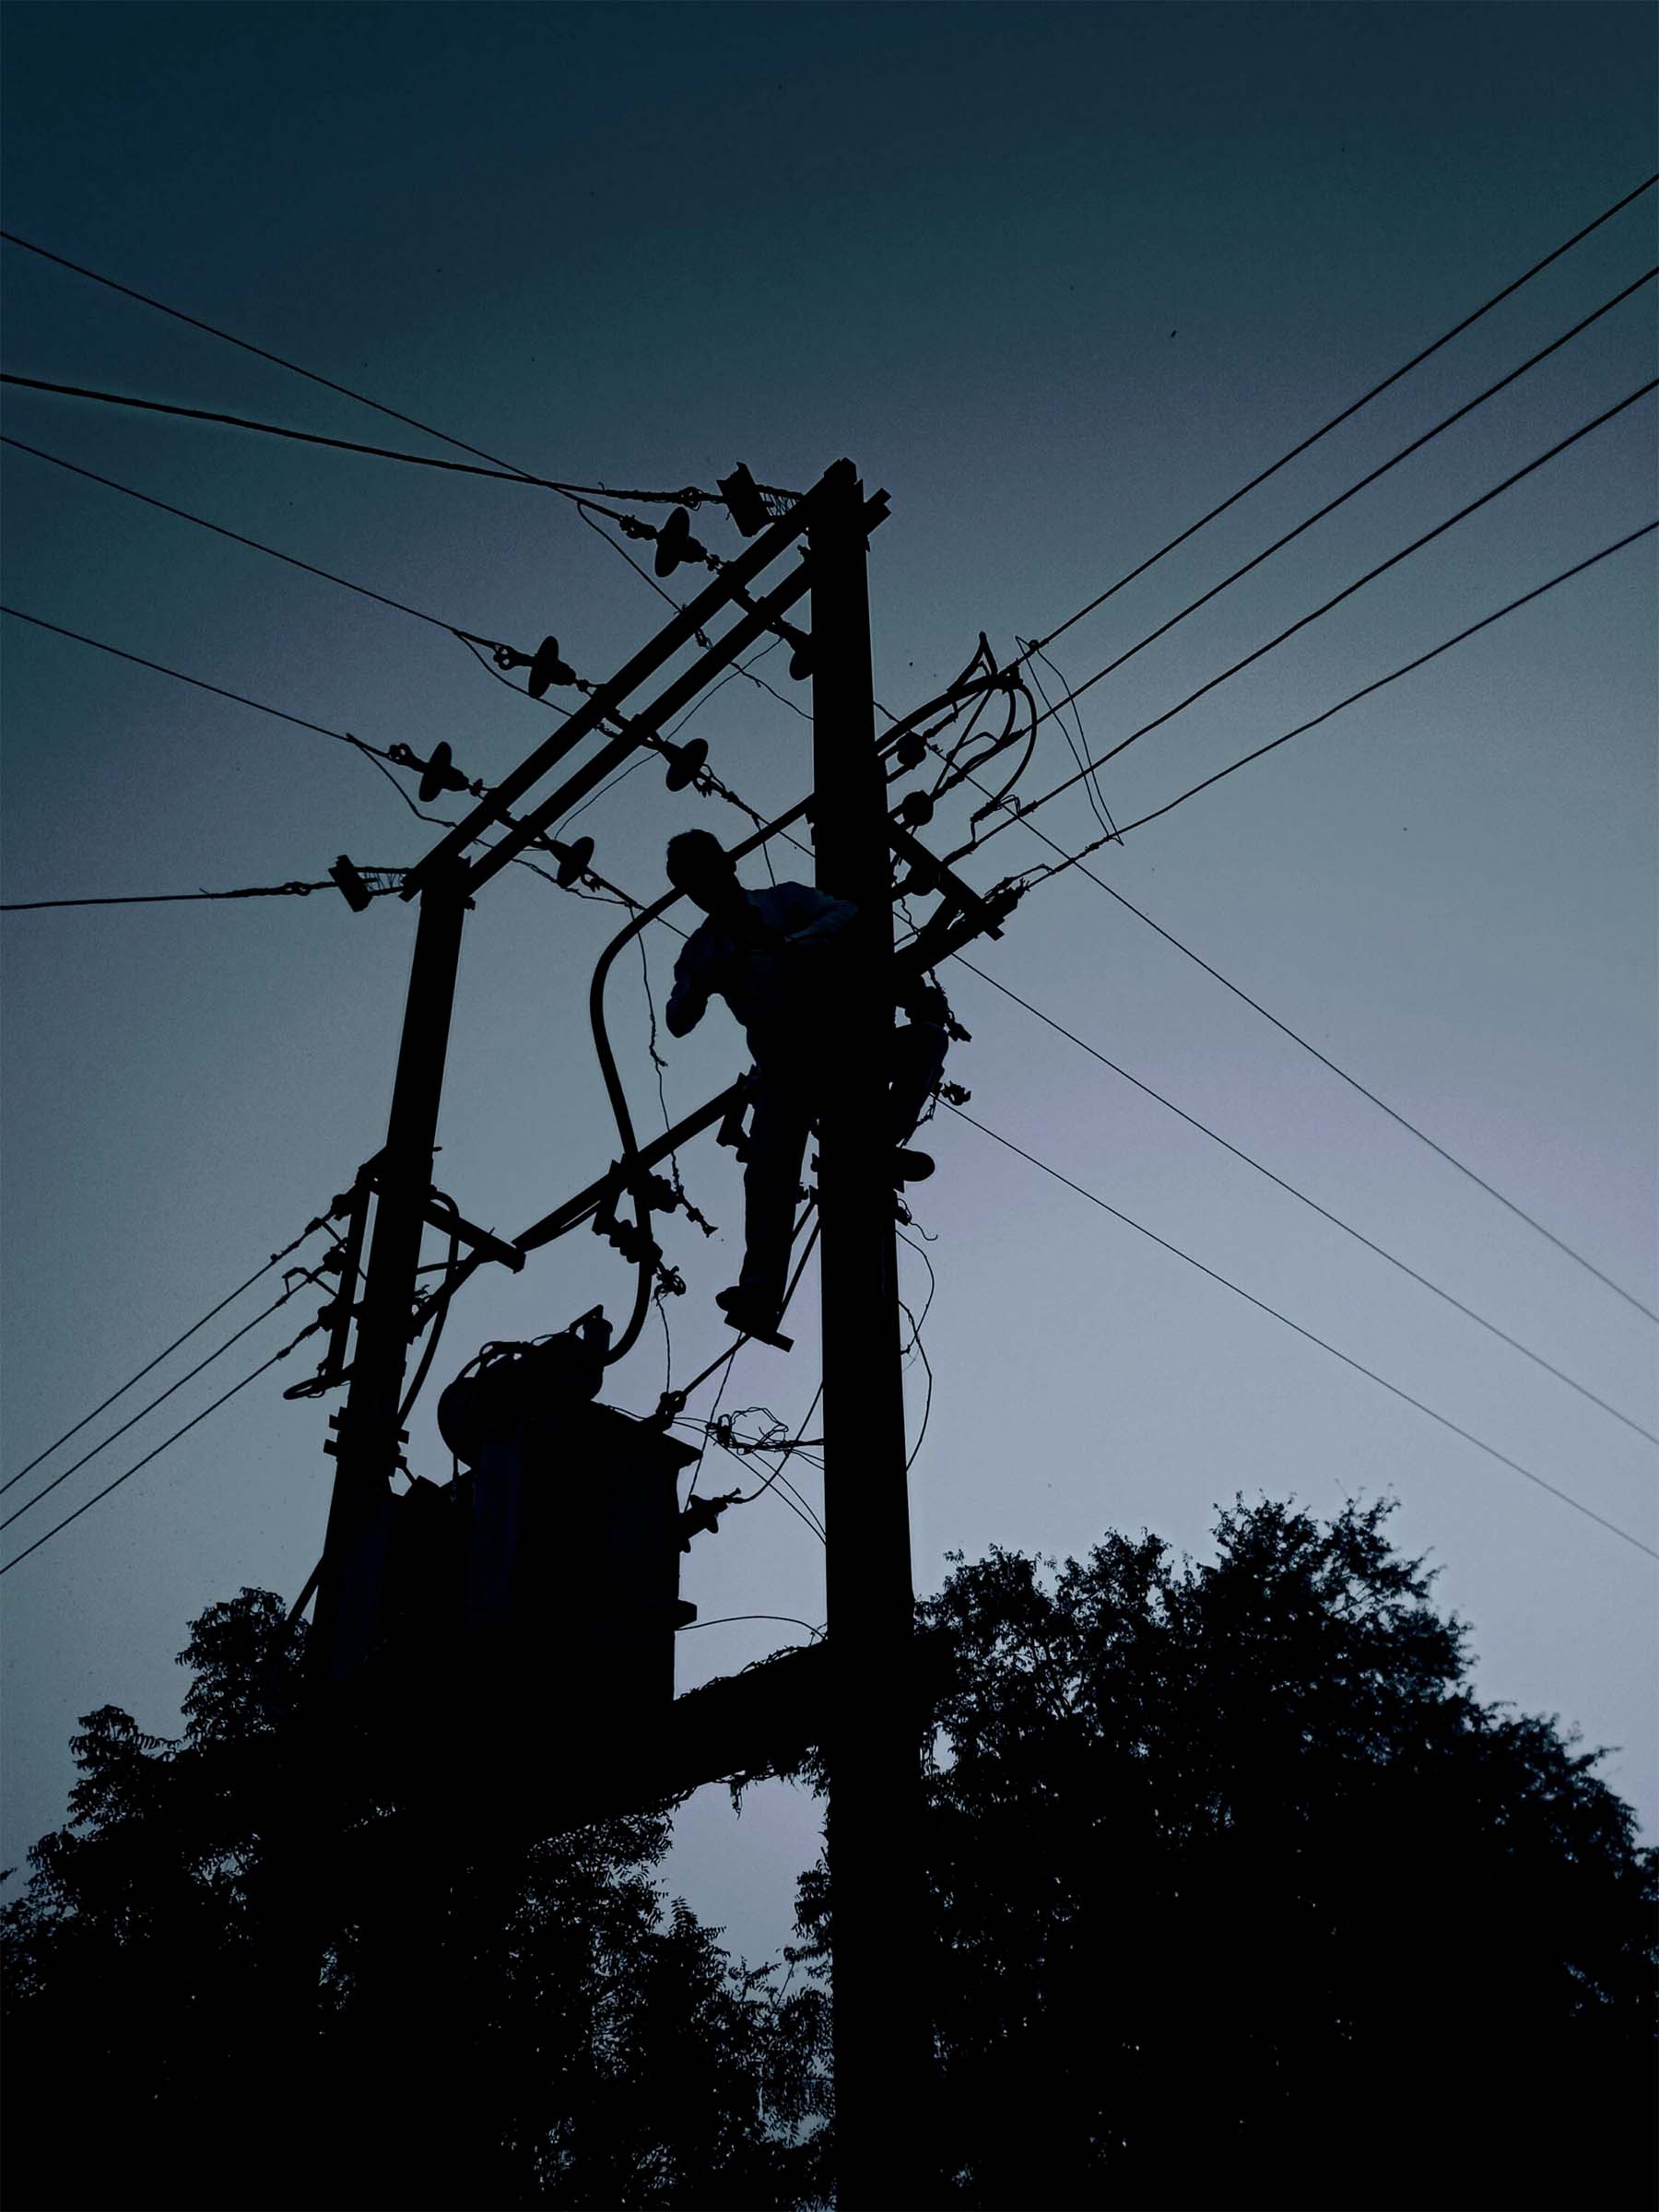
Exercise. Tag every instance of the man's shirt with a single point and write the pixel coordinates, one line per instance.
(766, 989)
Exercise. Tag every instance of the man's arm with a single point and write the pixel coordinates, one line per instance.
(820, 918)
(688, 1000)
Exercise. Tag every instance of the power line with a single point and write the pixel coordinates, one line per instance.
(161, 1447)
(133, 1420)
(501, 475)
(275, 1260)
(383, 760)
(276, 430)
(469, 636)
(471, 639)
(241, 698)
(1393, 675)
(1324, 1212)
(1335, 1068)
(1371, 1373)
(1035, 651)
(1337, 598)
(1364, 400)
(688, 496)
(267, 890)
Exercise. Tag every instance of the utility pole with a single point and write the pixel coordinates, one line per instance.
(886, 2156)
(369, 1431)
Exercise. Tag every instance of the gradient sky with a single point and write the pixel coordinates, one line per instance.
(1058, 279)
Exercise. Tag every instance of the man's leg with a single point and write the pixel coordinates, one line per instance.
(771, 1181)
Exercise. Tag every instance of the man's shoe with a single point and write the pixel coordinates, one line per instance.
(747, 1315)
(912, 1167)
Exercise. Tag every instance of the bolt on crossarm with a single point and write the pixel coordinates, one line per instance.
(881, 2038)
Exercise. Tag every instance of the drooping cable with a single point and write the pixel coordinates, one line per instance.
(1359, 1366)
(726, 1618)
(275, 1260)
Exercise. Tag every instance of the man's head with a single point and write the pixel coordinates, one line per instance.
(699, 865)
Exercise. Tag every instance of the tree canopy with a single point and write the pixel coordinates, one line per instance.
(214, 2000)
(1238, 1897)
(1242, 1898)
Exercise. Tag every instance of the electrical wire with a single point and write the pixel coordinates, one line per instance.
(1353, 408)
(726, 1618)
(74, 1466)
(1077, 747)
(276, 430)
(726, 1358)
(688, 496)
(310, 1330)
(1324, 1212)
(384, 760)
(269, 890)
(1370, 1372)
(785, 1492)
(469, 636)
(580, 495)
(212, 1313)
(1071, 860)
(1393, 675)
(1348, 592)
(437, 1309)
(916, 1345)
(1342, 498)
(200, 684)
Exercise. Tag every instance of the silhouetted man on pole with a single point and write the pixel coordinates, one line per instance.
(773, 956)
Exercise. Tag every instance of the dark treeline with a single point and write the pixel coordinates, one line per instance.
(1239, 1896)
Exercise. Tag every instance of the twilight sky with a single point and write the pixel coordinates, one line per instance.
(1059, 279)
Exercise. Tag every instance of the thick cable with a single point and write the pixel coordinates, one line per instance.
(266, 890)
(1363, 401)
(275, 1260)
(1359, 1366)
(161, 1447)
(1323, 1211)
(276, 430)
(440, 1308)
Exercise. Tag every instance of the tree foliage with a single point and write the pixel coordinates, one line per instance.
(1239, 1896)
(1242, 1898)
(210, 2001)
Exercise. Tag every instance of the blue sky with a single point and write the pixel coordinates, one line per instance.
(1059, 280)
